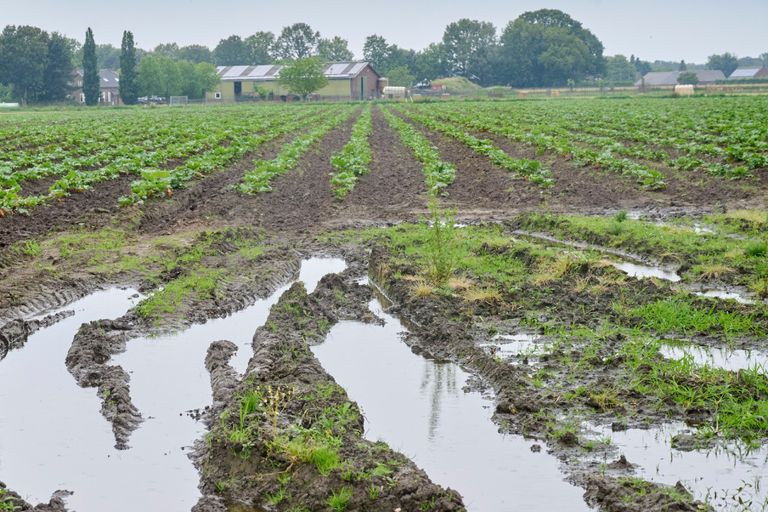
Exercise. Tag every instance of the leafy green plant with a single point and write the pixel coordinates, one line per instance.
(339, 500)
(352, 161)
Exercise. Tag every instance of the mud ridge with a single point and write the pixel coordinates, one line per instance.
(282, 361)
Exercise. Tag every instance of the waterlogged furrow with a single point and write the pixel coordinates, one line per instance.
(531, 170)
(354, 158)
(438, 174)
(259, 179)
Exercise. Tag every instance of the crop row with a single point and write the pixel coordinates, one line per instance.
(531, 170)
(354, 158)
(497, 123)
(259, 179)
(438, 174)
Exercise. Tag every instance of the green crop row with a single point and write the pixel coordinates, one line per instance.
(438, 174)
(354, 158)
(259, 179)
(531, 170)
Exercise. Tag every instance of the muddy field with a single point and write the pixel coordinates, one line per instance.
(587, 344)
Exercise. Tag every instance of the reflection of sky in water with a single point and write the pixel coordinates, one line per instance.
(722, 475)
(718, 357)
(419, 408)
(78, 454)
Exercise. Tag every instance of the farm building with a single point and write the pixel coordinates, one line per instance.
(669, 78)
(346, 81)
(110, 87)
(749, 74)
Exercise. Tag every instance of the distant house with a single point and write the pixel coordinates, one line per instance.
(346, 81)
(110, 87)
(749, 74)
(669, 78)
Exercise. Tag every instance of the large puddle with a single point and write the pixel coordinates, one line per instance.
(718, 357)
(419, 407)
(730, 479)
(54, 437)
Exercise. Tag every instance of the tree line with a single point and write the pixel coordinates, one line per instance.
(544, 48)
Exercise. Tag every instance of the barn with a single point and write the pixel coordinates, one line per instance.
(749, 74)
(669, 78)
(346, 81)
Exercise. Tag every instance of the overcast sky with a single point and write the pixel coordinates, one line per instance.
(651, 29)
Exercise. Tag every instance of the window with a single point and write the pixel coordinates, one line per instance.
(217, 95)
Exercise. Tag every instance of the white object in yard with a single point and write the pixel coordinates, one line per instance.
(9, 105)
(684, 90)
(392, 91)
(178, 101)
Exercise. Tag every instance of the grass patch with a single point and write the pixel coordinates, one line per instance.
(339, 500)
(201, 284)
(679, 316)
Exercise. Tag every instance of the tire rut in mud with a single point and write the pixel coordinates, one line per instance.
(282, 361)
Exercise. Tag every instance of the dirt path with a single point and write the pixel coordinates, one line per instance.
(394, 188)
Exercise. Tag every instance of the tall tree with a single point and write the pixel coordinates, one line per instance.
(468, 46)
(170, 50)
(261, 47)
(129, 87)
(619, 70)
(58, 68)
(23, 59)
(91, 80)
(196, 53)
(764, 57)
(336, 49)
(727, 63)
(377, 52)
(304, 76)
(297, 41)
(430, 63)
(232, 51)
(548, 48)
(683, 66)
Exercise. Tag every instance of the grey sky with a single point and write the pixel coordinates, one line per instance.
(651, 29)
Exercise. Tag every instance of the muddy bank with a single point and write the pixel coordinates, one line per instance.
(288, 435)
(10, 500)
(445, 327)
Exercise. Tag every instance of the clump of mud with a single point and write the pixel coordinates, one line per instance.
(289, 435)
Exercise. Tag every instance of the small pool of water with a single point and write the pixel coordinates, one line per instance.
(720, 476)
(419, 407)
(718, 357)
(516, 345)
(641, 271)
(725, 295)
(168, 378)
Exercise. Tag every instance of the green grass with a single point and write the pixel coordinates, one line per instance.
(201, 284)
(339, 500)
(678, 315)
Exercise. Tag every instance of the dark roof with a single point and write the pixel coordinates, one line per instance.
(268, 72)
(110, 79)
(670, 77)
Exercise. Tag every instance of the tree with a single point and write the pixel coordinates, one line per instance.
(58, 68)
(401, 76)
(547, 48)
(23, 59)
(232, 51)
(261, 46)
(91, 80)
(619, 70)
(430, 63)
(170, 50)
(682, 66)
(129, 87)
(377, 52)
(334, 50)
(304, 76)
(297, 41)
(727, 63)
(764, 58)
(467, 47)
(688, 78)
(196, 53)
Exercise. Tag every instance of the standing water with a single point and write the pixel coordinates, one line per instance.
(419, 407)
(53, 436)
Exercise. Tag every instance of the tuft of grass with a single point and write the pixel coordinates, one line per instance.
(339, 500)
(422, 289)
(202, 284)
(678, 315)
(440, 252)
(485, 295)
(756, 249)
